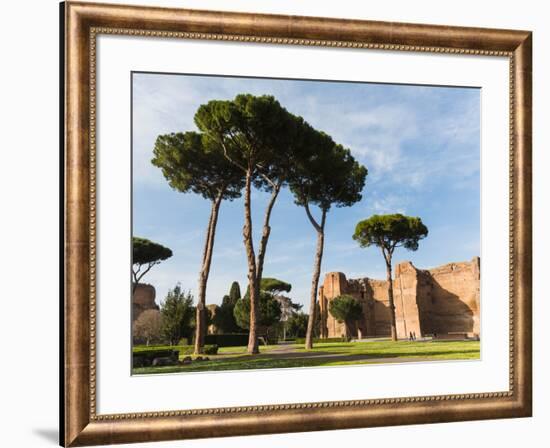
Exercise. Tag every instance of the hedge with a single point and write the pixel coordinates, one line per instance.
(320, 341)
(153, 348)
(208, 349)
(144, 358)
(227, 340)
(159, 351)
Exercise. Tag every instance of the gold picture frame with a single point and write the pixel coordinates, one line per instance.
(81, 24)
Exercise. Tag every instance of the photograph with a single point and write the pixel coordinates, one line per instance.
(299, 223)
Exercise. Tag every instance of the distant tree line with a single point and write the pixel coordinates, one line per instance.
(175, 323)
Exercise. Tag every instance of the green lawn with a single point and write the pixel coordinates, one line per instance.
(329, 354)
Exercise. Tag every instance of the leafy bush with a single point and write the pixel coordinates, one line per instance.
(178, 315)
(319, 340)
(224, 319)
(296, 325)
(269, 311)
(211, 349)
(345, 309)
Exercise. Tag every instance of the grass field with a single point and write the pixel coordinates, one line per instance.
(329, 354)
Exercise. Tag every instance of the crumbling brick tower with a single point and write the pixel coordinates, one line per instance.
(443, 302)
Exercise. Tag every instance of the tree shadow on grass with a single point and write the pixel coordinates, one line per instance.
(304, 359)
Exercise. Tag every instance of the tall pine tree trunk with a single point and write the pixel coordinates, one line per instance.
(253, 286)
(200, 329)
(390, 297)
(315, 278)
(265, 233)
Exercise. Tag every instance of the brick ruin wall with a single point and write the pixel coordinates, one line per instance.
(143, 299)
(442, 301)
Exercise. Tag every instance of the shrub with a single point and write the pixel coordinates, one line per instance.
(296, 325)
(224, 319)
(178, 315)
(211, 349)
(269, 311)
(345, 309)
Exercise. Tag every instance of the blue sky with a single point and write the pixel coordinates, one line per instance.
(421, 145)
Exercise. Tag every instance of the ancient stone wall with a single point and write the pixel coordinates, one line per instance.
(143, 299)
(406, 287)
(335, 284)
(443, 301)
(454, 294)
